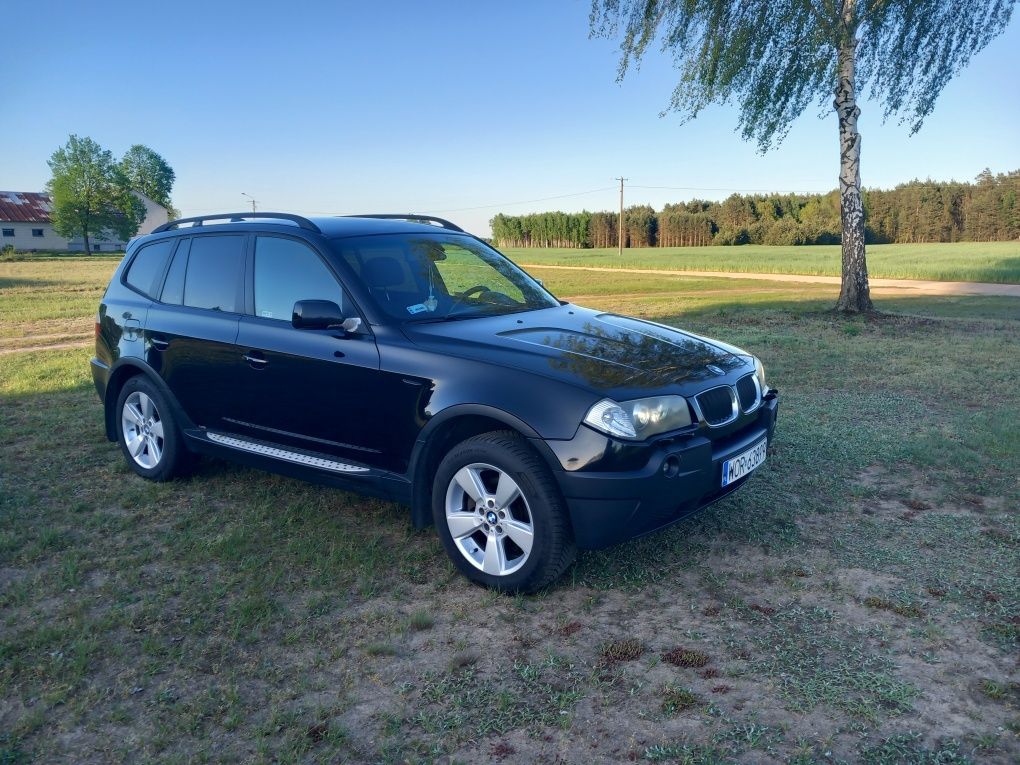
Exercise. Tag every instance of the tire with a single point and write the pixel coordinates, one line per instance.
(147, 433)
(493, 496)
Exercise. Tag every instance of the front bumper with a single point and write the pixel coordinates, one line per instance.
(677, 477)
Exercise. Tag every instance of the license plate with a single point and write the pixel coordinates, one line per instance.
(737, 467)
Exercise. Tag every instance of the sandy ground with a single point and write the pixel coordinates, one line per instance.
(915, 286)
(52, 347)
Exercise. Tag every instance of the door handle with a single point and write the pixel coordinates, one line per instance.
(159, 343)
(256, 362)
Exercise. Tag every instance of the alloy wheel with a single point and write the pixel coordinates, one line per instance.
(143, 430)
(489, 519)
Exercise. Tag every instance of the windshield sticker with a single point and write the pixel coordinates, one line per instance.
(416, 308)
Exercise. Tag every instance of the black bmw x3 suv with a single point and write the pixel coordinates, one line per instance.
(401, 357)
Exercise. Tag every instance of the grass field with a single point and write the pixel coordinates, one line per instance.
(964, 261)
(859, 601)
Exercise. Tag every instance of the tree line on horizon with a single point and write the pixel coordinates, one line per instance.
(916, 212)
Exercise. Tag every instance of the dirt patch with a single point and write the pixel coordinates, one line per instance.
(82, 343)
(911, 286)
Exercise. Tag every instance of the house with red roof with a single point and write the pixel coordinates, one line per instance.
(25, 223)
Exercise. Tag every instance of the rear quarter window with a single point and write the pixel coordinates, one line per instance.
(146, 269)
(173, 286)
(214, 273)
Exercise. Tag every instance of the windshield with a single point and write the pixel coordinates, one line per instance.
(438, 277)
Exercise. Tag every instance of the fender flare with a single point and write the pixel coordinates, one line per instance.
(124, 368)
(421, 507)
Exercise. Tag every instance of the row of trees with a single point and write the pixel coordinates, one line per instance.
(92, 194)
(986, 210)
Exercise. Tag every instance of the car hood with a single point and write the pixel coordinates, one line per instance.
(606, 353)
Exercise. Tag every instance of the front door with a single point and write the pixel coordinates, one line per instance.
(312, 389)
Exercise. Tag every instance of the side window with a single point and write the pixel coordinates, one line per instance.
(147, 267)
(287, 271)
(213, 275)
(173, 287)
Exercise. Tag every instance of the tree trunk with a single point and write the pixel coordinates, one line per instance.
(85, 236)
(854, 294)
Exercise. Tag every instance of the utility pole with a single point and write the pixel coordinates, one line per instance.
(251, 198)
(621, 180)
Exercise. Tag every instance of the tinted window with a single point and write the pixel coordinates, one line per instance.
(287, 271)
(213, 278)
(425, 277)
(173, 287)
(462, 269)
(147, 267)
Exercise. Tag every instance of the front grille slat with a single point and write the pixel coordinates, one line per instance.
(716, 405)
(747, 392)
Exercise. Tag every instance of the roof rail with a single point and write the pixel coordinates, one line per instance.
(411, 217)
(239, 217)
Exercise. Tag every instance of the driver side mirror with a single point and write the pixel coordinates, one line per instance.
(321, 314)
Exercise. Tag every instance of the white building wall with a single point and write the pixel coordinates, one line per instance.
(24, 240)
(154, 216)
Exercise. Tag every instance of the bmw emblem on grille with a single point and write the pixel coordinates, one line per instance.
(714, 369)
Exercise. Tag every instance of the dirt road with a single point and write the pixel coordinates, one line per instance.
(915, 285)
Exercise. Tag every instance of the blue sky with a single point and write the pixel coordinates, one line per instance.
(458, 108)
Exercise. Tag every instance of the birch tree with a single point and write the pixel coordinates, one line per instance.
(775, 58)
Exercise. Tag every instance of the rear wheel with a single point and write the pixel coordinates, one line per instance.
(148, 435)
(499, 514)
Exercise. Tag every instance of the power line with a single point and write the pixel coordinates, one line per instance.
(523, 202)
(743, 191)
(557, 196)
(446, 210)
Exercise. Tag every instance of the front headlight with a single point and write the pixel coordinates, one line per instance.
(641, 418)
(759, 372)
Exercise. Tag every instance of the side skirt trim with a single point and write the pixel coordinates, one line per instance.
(285, 454)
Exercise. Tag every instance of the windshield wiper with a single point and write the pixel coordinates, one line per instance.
(449, 317)
(462, 316)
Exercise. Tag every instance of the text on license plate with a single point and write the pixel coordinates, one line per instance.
(737, 467)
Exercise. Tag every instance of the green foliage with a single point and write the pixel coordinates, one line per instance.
(148, 173)
(91, 196)
(775, 58)
(912, 213)
(552, 229)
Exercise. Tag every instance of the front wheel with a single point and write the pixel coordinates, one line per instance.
(499, 514)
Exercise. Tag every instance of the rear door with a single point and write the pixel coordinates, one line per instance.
(191, 333)
(313, 389)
